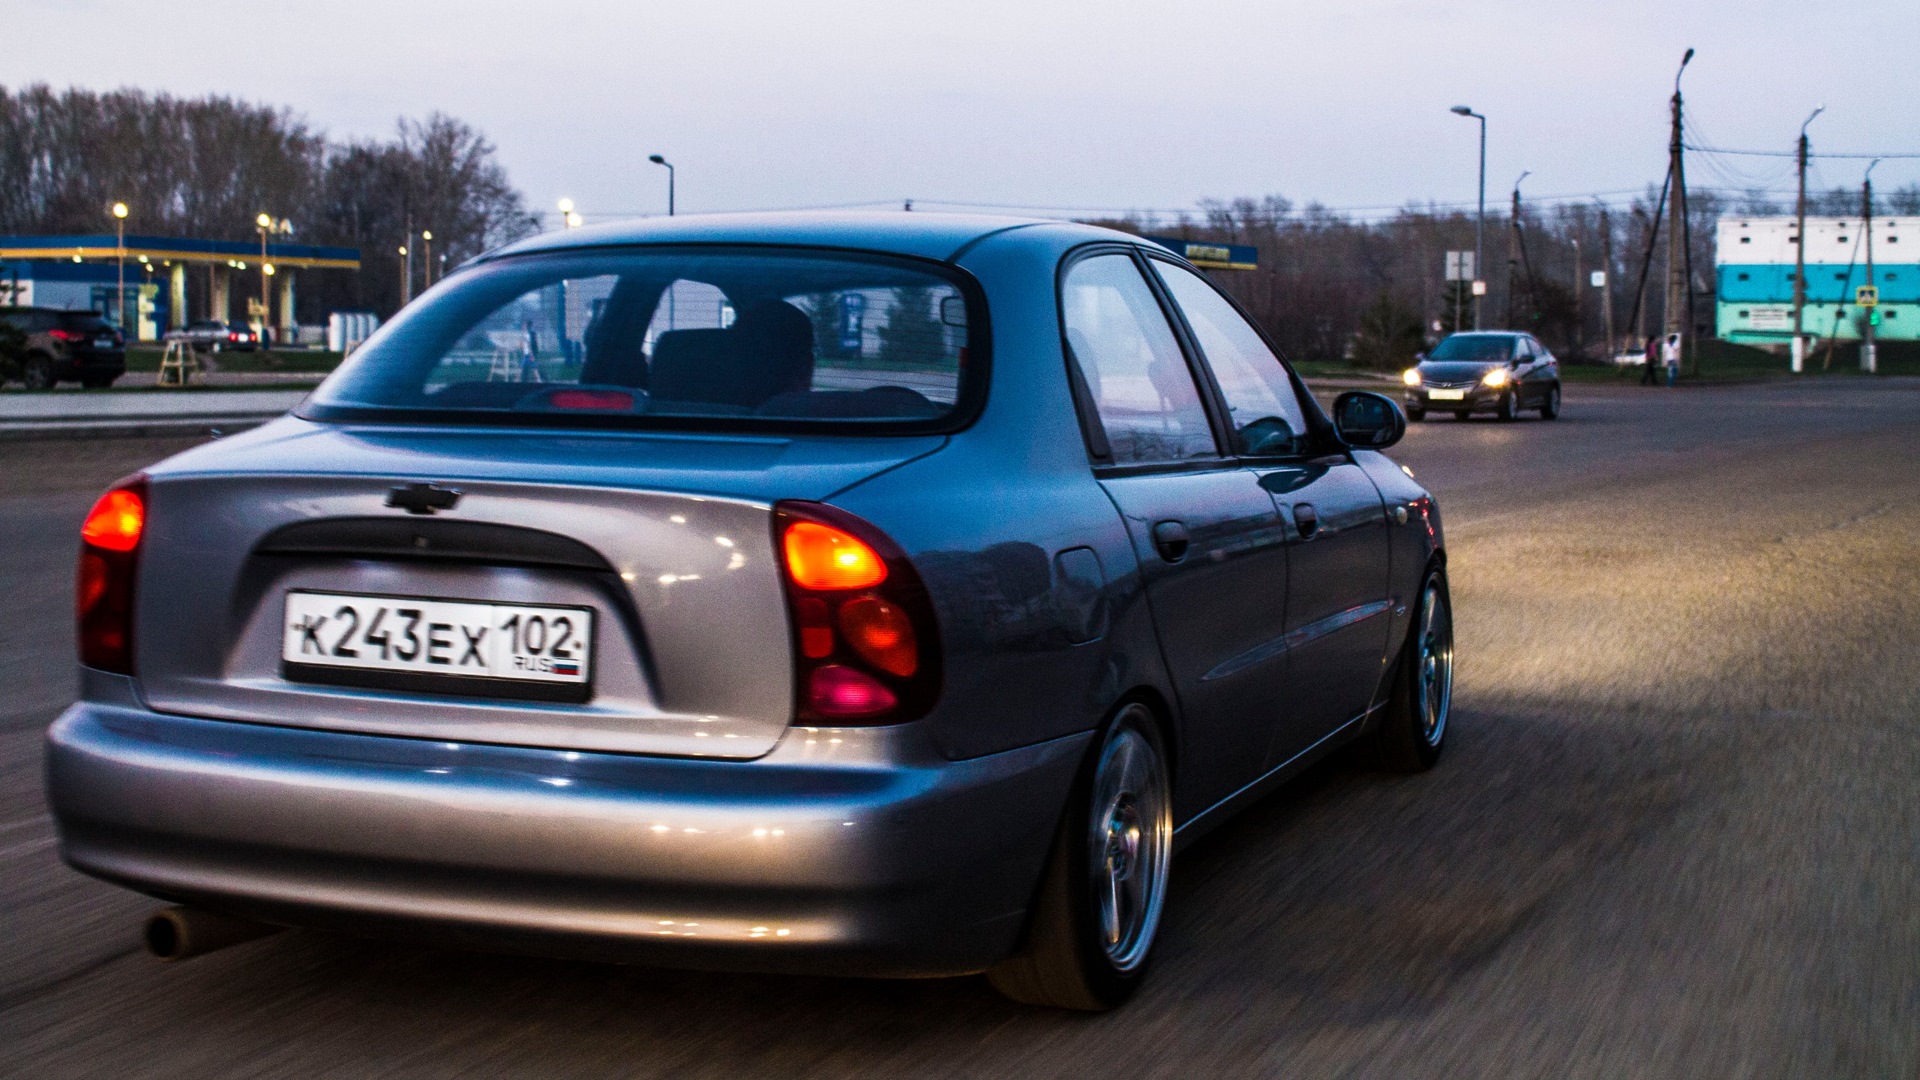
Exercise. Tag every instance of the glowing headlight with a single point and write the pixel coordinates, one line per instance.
(1497, 377)
(1411, 376)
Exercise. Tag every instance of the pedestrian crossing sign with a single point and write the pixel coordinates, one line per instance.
(1866, 296)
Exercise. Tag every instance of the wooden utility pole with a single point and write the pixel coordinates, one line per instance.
(1868, 361)
(1579, 307)
(1677, 284)
(1606, 289)
(1799, 347)
(1513, 252)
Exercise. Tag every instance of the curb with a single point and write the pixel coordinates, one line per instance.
(132, 428)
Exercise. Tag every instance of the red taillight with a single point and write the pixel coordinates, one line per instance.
(116, 520)
(881, 634)
(865, 643)
(109, 551)
(66, 335)
(842, 693)
(823, 557)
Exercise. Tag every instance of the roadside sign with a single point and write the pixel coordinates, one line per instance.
(1211, 256)
(1479, 288)
(1599, 279)
(1460, 266)
(1867, 296)
(853, 331)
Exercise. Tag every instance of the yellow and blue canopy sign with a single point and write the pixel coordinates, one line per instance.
(1209, 255)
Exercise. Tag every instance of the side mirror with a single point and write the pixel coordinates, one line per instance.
(1368, 421)
(1419, 358)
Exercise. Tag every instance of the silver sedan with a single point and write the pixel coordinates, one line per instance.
(875, 594)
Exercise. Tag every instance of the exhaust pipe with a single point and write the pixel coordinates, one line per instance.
(177, 933)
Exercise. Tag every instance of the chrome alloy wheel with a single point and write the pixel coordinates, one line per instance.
(1130, 844)
(1433, 671)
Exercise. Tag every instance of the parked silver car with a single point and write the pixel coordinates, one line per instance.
(877, 594)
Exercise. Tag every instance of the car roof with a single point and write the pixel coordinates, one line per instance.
(926, 235)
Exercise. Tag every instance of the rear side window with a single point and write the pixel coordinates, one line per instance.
(1266, 413)
(1139, 381)
(741, 338)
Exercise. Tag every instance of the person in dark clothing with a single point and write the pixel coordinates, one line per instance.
(1650, 375)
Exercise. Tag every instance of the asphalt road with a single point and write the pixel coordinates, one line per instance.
(1675, 833)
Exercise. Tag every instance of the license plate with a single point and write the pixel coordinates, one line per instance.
(103, 343)
(411, 636)
(1447, 395)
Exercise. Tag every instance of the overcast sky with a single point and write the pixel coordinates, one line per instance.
(1061, 103)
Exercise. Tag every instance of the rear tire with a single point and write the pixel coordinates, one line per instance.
(1411, 730)
(1098, 910)
(1550, 406)
(37, 372)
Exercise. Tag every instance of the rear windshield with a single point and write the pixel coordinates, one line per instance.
(749, 338)
(1474, 348)
(85, 322)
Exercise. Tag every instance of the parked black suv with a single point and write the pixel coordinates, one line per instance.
(63, 346)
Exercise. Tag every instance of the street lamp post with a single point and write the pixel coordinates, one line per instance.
(658, 160)
(1480, 224)
(120, 256)
(406, 276)
(426, 237)
(569, 217)
(267, 224)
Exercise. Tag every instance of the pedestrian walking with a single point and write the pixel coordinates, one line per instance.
(1650, 373)
(1670, 356)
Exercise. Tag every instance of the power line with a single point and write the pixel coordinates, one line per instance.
(1794, 154)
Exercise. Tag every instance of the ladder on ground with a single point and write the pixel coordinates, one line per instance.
(178, 363)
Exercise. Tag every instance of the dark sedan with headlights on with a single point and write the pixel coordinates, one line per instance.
(877, 594)
(1503, 372)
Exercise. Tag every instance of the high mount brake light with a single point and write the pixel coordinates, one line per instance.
(866, 647)
(109, 553)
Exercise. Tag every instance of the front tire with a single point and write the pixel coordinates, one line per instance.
(1416, 415)
(1100, 901)
(1412, 728)
(1509, 408)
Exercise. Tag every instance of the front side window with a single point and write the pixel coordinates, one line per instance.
(739, 338)
(1134, 371)
(1267, 417)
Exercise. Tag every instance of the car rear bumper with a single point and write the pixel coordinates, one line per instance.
(854, 851)
(85, 365)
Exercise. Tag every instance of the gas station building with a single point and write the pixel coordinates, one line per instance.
(83, 273)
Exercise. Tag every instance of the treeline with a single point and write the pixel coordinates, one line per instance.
(206, 167)
(1333, 286)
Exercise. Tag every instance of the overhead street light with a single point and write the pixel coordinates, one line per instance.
(1480, 223)
(568, 218)
(658, 160)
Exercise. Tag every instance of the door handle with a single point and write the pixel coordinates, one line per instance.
(1306, 519)
(1171, 539)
